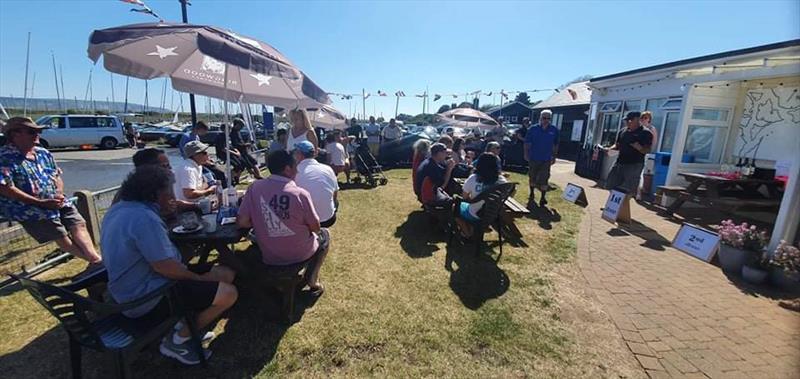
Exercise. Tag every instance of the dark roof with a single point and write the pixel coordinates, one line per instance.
(506, 105)
(732, 53)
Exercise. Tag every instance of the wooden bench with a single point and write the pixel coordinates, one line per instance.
(513, 209)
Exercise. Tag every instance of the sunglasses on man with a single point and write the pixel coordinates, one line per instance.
(31, 132)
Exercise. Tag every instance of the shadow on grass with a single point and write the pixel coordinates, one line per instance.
(652, 239)
(544, 216)
(352, 185)
(475, 278)
(419, 235)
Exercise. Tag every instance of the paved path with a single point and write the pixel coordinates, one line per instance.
(680, 317)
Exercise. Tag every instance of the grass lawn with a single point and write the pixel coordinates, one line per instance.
(398, 302)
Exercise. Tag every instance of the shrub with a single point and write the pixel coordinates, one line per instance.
(787, 257)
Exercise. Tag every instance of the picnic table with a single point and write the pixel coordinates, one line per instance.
(512, 209)
(203, 242)
(723, 193)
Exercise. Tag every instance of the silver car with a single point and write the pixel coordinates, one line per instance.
(78, 130)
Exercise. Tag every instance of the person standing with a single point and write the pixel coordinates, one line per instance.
(130, 135)
(32, 192)
(190, 184)
(646, 120)
(337, 155)
(633, 143)
(498, 132)
(301, 129)
(320, 182)
(391, 132)
(373, 136)
(541, 149)
(519, 134)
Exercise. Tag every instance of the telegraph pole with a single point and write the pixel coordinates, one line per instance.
(184, 3)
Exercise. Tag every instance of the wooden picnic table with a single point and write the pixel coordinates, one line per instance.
(203, 242)
(726, 193)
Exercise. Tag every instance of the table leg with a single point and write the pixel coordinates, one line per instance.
(678, 202)
(228, 258)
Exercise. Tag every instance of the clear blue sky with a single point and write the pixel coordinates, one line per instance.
(451, 47)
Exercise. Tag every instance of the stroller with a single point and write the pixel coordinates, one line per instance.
(367, 166)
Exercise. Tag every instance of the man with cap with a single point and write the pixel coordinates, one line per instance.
(31, 192)
(319, 180)
(190, 184)
(541, 148)
(284, 221)
(434, 172)
(633, 143)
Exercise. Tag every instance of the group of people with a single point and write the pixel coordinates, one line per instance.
(434, 167)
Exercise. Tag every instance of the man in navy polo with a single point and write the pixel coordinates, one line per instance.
(541, 147)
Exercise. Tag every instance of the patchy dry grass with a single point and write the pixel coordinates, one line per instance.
(398, 303)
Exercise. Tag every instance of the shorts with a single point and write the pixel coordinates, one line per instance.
(329, 222)
(252, 259)
(194, 296)
(464, 213)
(625, 176)
(539, 173)
(50, 230)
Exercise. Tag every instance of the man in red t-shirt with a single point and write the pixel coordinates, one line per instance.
(434, 172)
(284, 221)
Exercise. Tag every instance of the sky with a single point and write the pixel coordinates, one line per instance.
(448, 47)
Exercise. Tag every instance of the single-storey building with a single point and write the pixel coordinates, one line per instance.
(709, 113)
(570, 107)
(512, 112)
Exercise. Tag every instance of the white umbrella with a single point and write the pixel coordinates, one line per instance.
(327, 117)
(467, 118)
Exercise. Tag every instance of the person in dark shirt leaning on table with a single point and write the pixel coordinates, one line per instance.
(434, 172)
(633, 143)
(140, 258)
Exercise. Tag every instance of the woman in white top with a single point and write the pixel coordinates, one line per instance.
(301, 130)
(646, 120)
(487, 175)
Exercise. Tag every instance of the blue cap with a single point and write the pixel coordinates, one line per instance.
(304, 146)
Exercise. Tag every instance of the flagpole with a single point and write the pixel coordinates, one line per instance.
(55, 75)
(127, 81)
(25, 92)
(364, 103)
(396, 104)
(63, 89)
(113, 100)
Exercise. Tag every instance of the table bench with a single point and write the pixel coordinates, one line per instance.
(722, 193)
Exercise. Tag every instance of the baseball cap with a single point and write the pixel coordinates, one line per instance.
(632, 114)
(438, 148)
(304, 146)
(19, 123)
(194, 147)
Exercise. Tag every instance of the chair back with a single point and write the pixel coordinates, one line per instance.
(68, 307)
(493, 198)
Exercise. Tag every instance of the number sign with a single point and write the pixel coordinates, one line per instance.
(574, 194)
(696, 241)
(617, 207)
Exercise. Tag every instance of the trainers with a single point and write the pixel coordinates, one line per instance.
(183, 352)
(206, 337)
(542, 203)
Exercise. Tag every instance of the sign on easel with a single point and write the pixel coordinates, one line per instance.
(618, 208)
(696, 241)
(575, 194)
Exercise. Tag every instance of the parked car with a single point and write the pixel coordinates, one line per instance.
(173, 138)
(149, 133)
(78, 130)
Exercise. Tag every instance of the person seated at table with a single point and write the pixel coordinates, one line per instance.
(422, 149)
(433, 173)
(337, 156)
(243, 148)
(284, 221)
(280, 140)
(487, 174)
(319, 180)
(140, 258)
(157, 157)
(197, 132)
(190, 184)
(223, 147)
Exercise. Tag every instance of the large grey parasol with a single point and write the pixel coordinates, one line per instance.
(326, 117)
(206, 60)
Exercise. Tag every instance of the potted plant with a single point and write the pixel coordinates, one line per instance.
(739, 244)
(785, 270)
(756, 269)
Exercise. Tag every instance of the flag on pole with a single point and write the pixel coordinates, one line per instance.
(436, 97)
(505, 95)
(488, 94)
(423, 95)
(572, 94)
(400, 94)
(381, 93)
(366, 96)
(455, 96)
(135, 2)
(476, 93)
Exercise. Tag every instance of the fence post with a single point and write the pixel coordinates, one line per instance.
(87, 209)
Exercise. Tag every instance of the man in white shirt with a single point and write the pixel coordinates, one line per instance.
(337, 156)
(373, 136)
(391, 132)
(319, 180)
(190, 185)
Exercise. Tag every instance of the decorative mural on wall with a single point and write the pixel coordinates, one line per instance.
(770, 126)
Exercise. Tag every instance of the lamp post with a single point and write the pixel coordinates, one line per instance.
(192, 106)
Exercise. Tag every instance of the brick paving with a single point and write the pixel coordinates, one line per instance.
(679, 316)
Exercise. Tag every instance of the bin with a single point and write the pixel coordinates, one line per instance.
(660, 169)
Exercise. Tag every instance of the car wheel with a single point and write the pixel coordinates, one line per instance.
(108, 143)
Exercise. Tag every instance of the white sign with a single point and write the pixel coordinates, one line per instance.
(696, 241)
(577, 130)
(614, 204)
(572, 193)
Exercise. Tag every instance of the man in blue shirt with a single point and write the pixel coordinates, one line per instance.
(140, 258)
(198, 131)
(32, 192)
(541, 147)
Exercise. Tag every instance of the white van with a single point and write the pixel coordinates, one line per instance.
(77, 130)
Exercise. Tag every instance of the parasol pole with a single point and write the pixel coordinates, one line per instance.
(227, 136)
(192, 106)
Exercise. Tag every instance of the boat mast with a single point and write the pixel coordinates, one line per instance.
(25, 91)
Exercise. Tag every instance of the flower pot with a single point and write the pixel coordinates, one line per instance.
(732, 259)
(754, 275)
(784, 280)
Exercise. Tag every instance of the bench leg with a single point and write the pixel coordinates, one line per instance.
(75, 358)
(288, 302)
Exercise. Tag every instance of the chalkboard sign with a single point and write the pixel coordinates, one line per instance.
(617, 207)
(696, 241)
(575, 194)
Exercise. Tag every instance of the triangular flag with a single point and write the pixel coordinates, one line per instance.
(366, 96)
(436, 97)
(572, 93)
(381, 93)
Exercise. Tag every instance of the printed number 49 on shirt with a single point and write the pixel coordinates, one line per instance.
(280, 205)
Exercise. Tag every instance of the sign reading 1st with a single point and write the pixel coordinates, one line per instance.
(617, 207)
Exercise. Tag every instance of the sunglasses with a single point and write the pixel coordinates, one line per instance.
(545, 118)
(31, 132)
